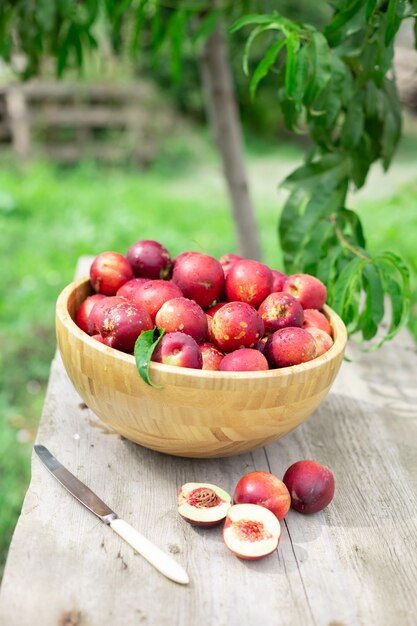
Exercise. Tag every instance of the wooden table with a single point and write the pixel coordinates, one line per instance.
(352, 564)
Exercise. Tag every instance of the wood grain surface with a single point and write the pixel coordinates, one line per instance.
(352, 564)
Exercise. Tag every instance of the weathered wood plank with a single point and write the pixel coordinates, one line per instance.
(351, 564)
(63, 90)
(50, 107)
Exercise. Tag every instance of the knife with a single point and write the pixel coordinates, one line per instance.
(159, 559)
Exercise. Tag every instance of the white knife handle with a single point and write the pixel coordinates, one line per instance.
(159, 559)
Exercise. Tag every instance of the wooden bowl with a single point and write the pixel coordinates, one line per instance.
(196, 413)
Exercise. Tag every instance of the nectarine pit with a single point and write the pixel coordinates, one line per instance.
(203, 498)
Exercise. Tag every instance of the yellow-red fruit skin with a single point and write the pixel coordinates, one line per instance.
(290, 346)
(265, 489)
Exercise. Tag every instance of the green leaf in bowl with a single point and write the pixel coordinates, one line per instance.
(144, 348)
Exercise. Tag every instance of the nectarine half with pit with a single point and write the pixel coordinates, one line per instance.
(203, 504)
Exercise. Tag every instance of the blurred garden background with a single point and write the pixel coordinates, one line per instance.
(147, 169)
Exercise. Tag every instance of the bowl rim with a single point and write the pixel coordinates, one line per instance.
(336, 350)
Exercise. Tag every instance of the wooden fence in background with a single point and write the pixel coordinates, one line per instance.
(67, 122)
(115, 122)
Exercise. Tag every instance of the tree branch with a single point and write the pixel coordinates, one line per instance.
(223, 115)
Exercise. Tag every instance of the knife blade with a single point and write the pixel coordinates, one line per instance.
(154, 555)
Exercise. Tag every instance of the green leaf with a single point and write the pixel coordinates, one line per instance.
(400, 266)
(346, 22)
(353, 126)
(355, 224)
(306, 232)
(373, 311)
(289, 213)
(275, 25)
(92, 7)
(372, 96)
(392, 122)
(177, 36)
(345, 286)
(370, 8)
(316, 245)
(255, 18)
(395, 14)
(70, 42)
(301, 76)
(391, 268)
(292, 46)
(400, 308)
(46, 14)
(337, 93)
(158, 32)
(265, 64)
(291, 209)
(92, 41)
(415, 32)
(301, 228)
(312, 233)
(390, 138)
(76, 42)
(144, 348)
(332, 108)
(256, 31)
(289, 111)
(320, 58)
(361, 160)
(62, 58)
(334, 163)
(327, 269)
(140, 21)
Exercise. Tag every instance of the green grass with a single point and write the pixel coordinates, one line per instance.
(50, 216)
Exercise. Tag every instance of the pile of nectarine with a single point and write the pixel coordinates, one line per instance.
(260, 502)
(231, 314)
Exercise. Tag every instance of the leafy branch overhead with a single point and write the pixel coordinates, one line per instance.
(337, 87)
